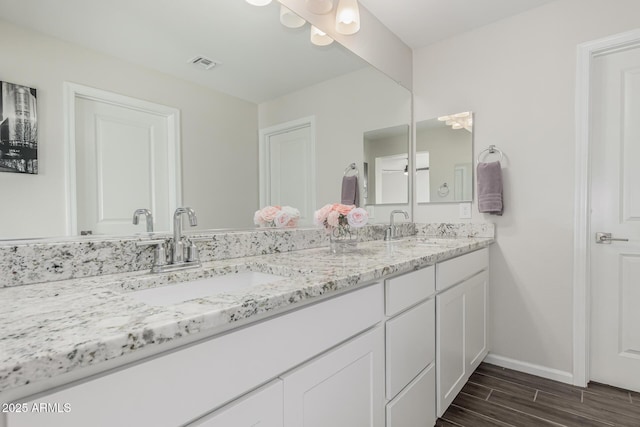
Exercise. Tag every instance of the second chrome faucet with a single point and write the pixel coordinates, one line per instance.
(392, 232)
(183, 253)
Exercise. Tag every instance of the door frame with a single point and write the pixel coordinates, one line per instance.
(72, 91)
(582, 241)
(289, 126)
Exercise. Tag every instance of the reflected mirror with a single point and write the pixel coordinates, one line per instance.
(264, 75)
(444, 159)
(386, 166)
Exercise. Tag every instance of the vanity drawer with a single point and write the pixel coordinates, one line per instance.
(415, 405)
(404, 291)
(410, 339)
(455, 270)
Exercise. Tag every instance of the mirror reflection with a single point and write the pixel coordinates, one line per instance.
(444, 159)
(258, 82)
(386, 165)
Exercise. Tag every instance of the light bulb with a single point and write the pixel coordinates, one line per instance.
(348, 17)
(319, 37)
(259, 2)
(290, 19)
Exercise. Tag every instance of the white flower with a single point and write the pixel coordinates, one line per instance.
(357, 218)
(292, 212)
(282, 219)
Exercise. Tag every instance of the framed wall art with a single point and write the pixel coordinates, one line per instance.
(18, 129)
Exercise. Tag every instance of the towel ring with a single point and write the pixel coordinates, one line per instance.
(491, 150)
(351, 167)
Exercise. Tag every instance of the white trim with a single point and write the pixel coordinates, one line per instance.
(530, 368)
(71, 92)
(581, 258)
(266, 133)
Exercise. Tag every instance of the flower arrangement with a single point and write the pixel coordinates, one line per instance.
(340, 217)
(276, 216)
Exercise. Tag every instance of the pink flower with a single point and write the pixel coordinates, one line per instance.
(357, 218)
(343, 209)
(269, 213)
(321, 214)
(257, 218)
(333, 219)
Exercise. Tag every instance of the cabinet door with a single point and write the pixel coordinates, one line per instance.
(262, 407)
(451, 372)
(416, 404)
(410, 345)
(342, 388)
(476, 348)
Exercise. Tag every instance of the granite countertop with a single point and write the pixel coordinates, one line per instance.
(49, 329)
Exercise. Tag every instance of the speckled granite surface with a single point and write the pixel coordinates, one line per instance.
(53, 328)
(456, 230)
(33, 261)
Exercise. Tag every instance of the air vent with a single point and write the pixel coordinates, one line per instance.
(203, 62)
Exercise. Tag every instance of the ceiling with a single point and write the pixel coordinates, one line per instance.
(260, 59)
(422, 22)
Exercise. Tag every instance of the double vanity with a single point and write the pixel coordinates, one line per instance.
(385, 335)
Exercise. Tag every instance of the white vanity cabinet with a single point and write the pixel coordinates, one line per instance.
(461, 319)
(342, 388)
(186, 384)
(410, 349)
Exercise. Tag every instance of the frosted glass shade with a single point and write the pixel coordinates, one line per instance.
(259, 2)
(290, 19)
(320, 38)
(319, 7)
(347, 17)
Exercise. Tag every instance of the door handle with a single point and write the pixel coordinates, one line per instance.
(605, 238)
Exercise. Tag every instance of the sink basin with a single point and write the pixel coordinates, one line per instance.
(185, 291)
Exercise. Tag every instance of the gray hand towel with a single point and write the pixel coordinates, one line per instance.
(490, 188)
(350, 192)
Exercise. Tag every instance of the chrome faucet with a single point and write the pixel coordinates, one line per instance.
(391, 232)
(148, 216)
(181, 255)
(178, 248)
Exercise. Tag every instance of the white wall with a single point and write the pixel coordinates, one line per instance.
(344, 108)
(219, 134)
(518, 76)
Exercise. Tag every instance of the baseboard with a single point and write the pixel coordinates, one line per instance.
(530, 368)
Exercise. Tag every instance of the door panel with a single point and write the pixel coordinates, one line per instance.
(287, 163)
(137, 143)
(615, 209)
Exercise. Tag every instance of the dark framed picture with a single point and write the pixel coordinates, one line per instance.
(18, 129)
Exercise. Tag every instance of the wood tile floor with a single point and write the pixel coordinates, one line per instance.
(495, 396)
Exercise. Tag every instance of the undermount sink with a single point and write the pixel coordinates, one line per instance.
(185, 291)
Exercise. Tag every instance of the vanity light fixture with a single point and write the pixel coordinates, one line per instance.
(259, 2)
(319, 37)
(458, 121)
(319, 7)
(290, 19)
(347, 17)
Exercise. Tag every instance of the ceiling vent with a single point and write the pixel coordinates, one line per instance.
(203, 62)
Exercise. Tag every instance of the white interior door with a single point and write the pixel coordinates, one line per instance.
(615, 209)
(288, 168)
(123, 162)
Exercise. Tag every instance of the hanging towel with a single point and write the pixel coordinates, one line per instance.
(350, 193)
(490, 188)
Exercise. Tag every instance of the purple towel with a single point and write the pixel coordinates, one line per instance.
(350, 193)
(490, 188)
